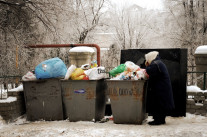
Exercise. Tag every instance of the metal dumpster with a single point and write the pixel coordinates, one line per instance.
(43, 99)
(128, 100)
(83, 100)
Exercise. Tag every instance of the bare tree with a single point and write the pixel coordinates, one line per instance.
(131, 25)
(20, 22)
(86, 17)
(189, 17)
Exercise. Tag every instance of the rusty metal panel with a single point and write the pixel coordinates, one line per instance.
(128, 101)
(43, 99)
(83, 100)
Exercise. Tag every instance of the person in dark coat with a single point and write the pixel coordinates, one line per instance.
(159, 96)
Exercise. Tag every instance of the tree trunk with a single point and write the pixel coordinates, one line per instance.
(83, 36)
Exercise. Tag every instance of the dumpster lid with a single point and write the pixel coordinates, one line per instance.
(201, 49)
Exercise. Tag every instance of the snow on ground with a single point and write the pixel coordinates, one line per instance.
(189, 126)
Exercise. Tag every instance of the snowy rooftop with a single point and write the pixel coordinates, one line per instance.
(82, 49)
(201, 50)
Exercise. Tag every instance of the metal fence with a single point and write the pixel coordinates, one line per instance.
(197, 78)
(7, 83)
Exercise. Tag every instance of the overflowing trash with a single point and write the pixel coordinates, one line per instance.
(94, 73)
(128, 71)
(55, 68)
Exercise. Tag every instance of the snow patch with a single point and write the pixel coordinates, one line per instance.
(193, 88)
(2, 122)
(201, 50)
(103, 49)
(82, 49)
(19, 88)
(8, 100)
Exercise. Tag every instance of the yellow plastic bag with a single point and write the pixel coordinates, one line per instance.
(78, 74)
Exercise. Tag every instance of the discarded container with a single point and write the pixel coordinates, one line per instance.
(128, 100)
(83, 100)
(81, 55)
(43, 99)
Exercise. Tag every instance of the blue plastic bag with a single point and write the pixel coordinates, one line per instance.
(51, 68)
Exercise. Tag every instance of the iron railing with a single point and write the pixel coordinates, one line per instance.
(197, 78)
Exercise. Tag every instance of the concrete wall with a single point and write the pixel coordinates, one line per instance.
(11, 110)
(197, 103)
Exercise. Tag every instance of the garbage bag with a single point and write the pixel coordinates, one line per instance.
(96, 73)
(69, 72)
(142, 74)
(121, 76)
(119, 69)
(51, 68)
(86, 78)
(85, 66)
(131, 66)
(78, 74)
(29, 77)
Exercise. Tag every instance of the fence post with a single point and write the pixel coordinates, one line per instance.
(204, 81)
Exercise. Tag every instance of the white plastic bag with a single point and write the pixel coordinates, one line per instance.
(121, 76)
(85, 66)
(142, 74)
(29, 77)
(131, 66)
(69, 71)
(96, 73)
(87, 72)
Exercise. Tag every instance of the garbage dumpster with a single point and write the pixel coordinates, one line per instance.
(128, 100)
(83, 100)
(43, 99)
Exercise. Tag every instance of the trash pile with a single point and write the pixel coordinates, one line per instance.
(55, 68)
(128, 71)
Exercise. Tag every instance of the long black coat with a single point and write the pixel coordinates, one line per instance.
(159, 95)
